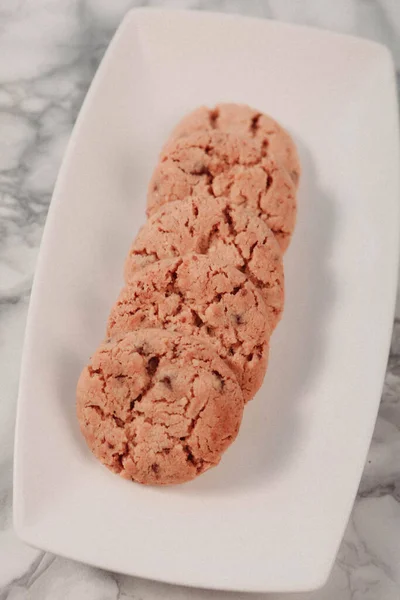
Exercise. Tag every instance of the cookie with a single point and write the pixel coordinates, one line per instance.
(228, 234)
(216, 163)
(158, 407)
(199, 298)
(244, 120)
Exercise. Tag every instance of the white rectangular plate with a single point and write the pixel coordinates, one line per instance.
(271, 516)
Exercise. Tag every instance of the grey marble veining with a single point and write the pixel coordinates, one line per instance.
(49, 51)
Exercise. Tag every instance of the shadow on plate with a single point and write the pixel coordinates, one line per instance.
(272, 428)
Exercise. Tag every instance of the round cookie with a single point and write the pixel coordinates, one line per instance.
(199, 298)
(158, 407)
(216, 163)
(244, 120)
(228, 234)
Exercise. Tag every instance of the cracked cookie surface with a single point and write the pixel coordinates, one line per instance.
(244, 120)
(198, 297)
(230, 235)
(215, 163)
(158, 407)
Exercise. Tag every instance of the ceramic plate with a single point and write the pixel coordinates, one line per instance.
(271, 516)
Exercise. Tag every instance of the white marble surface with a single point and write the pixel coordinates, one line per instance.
(49, 50)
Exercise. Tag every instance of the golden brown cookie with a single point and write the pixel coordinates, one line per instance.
(215, 163)
(230, 235)
(200, 298)
(158, 407)
(247, 121)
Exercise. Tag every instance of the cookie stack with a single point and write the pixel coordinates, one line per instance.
(188, 337)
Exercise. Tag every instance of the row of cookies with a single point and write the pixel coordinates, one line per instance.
(188, 337)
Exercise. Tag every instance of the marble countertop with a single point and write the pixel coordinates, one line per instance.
(49, 51)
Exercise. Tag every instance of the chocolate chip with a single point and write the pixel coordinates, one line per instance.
(167, 381)
(264, 148)
(199, 168)
(213, 118)
(197, 320)
(190, 456)
(254, 124)
(221, 380)
(152, 365)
